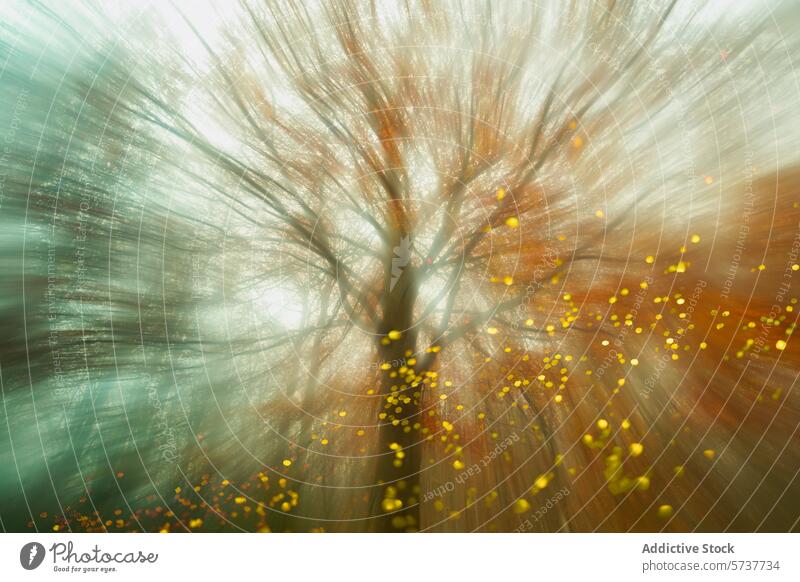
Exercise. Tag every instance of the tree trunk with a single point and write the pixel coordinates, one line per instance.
(400, 444)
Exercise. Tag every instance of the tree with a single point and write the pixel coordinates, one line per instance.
(376, 267)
